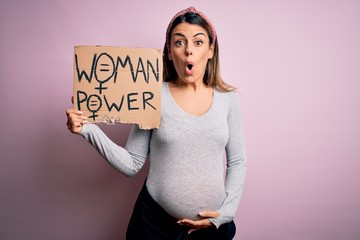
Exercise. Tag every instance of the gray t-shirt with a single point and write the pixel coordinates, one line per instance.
(186, 155)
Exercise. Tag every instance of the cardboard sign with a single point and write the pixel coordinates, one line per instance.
(116, 84)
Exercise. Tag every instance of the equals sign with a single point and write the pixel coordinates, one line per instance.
(93, 102)
(104, 69)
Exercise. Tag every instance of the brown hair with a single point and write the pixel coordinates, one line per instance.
(212, 76)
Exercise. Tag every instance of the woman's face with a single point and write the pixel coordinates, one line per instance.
(190, 51)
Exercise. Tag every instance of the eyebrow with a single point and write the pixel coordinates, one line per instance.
(199, 34)
(182, 35)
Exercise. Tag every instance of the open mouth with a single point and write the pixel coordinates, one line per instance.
(189, 66)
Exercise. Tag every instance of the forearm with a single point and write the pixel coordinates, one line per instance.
(127, 162)
(234, 186)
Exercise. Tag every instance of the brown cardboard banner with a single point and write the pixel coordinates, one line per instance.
(118, 84)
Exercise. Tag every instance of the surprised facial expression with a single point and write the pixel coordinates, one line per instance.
(190, 51)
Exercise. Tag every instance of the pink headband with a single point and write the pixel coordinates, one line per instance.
(193, 10)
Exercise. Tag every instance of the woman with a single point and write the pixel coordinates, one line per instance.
(184, 196)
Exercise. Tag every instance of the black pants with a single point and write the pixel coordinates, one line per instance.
(150, 222)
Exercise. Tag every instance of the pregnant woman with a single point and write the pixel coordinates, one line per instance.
(186, 195)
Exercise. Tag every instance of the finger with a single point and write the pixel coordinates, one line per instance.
(209, 214)
(75, 127)
(75, 117)
(204, 223)
(192, 230)
(187, 222)
(77, 121)
(74, 111)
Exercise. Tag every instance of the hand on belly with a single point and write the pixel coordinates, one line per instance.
(204, 222)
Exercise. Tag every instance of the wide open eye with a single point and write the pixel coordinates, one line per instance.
(199, 43)
(179, 43)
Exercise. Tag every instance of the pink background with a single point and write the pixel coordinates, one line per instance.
(296, 64)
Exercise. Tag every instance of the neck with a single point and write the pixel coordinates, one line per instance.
(193, 86)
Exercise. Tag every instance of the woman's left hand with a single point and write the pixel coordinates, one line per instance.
(202, 223)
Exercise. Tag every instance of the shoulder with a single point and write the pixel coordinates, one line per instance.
(164, 85)
(165, 91)
(229, 101)
(228, 97)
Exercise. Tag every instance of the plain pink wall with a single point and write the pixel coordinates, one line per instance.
(296, 64)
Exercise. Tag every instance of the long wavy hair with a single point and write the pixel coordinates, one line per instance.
(212, 77)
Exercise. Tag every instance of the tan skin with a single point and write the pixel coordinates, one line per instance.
(189, 45)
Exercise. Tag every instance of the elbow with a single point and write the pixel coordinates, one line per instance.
(135, 169)
(126, 171)
(130, 173)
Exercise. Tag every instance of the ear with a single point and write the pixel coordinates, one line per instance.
(211, 51)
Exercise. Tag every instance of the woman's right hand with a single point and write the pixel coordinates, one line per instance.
(75, 120)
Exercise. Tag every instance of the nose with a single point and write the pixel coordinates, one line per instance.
(188, 50)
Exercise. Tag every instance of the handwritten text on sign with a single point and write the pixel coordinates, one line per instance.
(116, 84)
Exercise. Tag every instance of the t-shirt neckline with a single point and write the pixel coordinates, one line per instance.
(183, 111)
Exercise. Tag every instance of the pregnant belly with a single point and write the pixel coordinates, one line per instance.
(185, 198)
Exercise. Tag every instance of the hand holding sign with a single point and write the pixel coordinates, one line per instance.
(75, 121)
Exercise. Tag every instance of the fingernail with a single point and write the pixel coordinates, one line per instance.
(83, 117)
(85, 121)
(80, 112)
